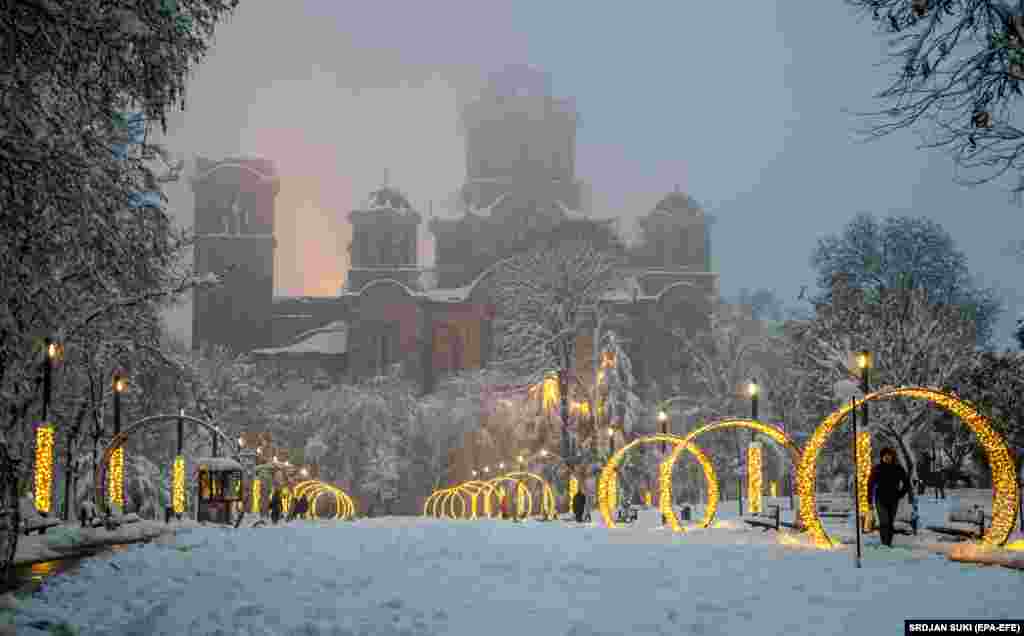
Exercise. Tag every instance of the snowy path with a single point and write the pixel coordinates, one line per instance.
(413, 576)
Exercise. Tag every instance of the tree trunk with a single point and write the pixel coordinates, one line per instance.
(903, 442)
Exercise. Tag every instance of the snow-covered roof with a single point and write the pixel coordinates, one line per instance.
(330, 339)
(450, 294)
(486, 211)
(572, 214)
(217, 463)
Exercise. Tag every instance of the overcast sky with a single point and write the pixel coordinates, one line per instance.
(740, 104)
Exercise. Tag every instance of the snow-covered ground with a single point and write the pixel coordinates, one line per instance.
(415, 576)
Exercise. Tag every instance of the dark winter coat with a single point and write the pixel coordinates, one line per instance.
(888, 482)
(275, 504)
(301, 506)
(579, 502)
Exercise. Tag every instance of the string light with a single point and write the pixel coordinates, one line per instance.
(863, 474)
(607, 484)
(648, 498)
(1004, 484)
(44, 468)
(344, 506)
(775, 434)
(178, 485)
(773, 489)
(574, 487)
(115, 485)
(257, 490)
(754, 476)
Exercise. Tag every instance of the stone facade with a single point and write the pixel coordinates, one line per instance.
(520, 154)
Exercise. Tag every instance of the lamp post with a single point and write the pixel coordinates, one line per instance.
(864, 364)
(611, 441)
(663, 426)
(116, 469)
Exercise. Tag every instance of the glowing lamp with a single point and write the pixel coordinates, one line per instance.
(178, 485)
(773, 489)
(304, 472)
(662, 416)
(241, 442)
(44, 468)
(753, 389)
(648, 498)
(501, 466)
(543, 452)
(864, 360)
(120, 383)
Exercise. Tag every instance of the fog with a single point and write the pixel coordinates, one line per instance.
(742, 106)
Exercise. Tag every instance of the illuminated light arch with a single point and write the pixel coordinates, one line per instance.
(1004, 475)
(548, 505)
(448, 507)
(139, 425)
(529, 497)
(475, 489)
(314, 487)
(609, 480)
(775, 434)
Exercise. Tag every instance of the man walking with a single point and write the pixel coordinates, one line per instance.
(579, 505)
(886, 486)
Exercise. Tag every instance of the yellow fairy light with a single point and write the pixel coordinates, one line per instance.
(863, 474)
(550, 393)
(44, 468)
(344, 506)
(608, 482)
(613, 491)
(115, 485)
(648, 498)
(773, 489)
(1004, 484)
(257, 490)
(520, 498)
(574, 487)
(286, 500)
(775, 434)
(178, 485)
(754, 476)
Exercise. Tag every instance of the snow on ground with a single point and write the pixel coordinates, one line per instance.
(416, 576)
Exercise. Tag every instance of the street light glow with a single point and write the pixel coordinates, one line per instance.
(662, 416)
(543, 452)
(241, 442)
(611, 431)
(864, 360)
(752, 388)
(120, 384)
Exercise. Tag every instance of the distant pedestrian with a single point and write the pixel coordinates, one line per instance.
(886, 486)
(301, 506)
(275, 507)
(579, 505)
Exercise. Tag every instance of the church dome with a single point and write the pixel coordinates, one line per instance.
(677, 202)
(388, 198)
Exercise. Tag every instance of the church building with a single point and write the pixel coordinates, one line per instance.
(520, 182)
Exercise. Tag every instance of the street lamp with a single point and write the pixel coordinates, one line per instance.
(543, 452)
(304, 472)
(611, 441)
(753, 389)
(474, 473)
(501, 466)
(116, 496)
(487, 469)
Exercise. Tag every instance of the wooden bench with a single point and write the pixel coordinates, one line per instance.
(966, 522)
(31, 520)
(768, 519)
(833, 507)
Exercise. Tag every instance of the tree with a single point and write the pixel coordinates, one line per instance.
(994, 383)
(961, 63)
(903, 251)
(78, 244)
(617, 384)
(545, 300)
(724, 359)
(914, 341)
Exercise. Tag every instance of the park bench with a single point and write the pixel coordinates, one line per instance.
(767, 519)
(626, 514)
(834, 507)
(31, 520)
(964, 521)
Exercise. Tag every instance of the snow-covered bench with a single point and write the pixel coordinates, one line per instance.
(31, 520)
(964, 521)
(835, 507)
(768, 519)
